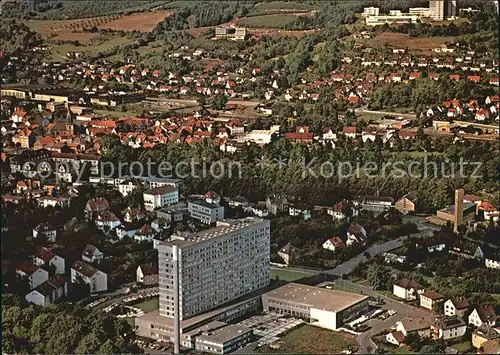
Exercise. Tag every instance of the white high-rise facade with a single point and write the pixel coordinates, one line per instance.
(215, 266)
(437, 8)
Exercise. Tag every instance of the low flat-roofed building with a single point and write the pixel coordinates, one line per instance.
(325, 308)
(223, 340)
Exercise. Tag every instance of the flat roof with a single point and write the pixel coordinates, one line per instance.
(223, 227)
(224, 334)
(316, 297)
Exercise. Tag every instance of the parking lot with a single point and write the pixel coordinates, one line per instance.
(268, 326)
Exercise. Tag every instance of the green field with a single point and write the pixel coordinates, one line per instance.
(279, 7)
(463, 346)
(149, 305)
(289, 275)
(309, 339)
(268, 21)
(59, 50)
(346, 287)
(403, 350)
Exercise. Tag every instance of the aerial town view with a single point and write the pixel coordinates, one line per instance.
(250, 176)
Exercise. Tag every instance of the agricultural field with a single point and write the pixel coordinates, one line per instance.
(67, 27)
(141, 21)
(400, 40)
(309, 339)
(271, 21)
(275, 32)
(59, 51)
(279, 7)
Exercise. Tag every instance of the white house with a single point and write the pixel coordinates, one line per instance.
(131, 215)
(144, 234)
(329, 135)
(448, 328)
(430, 299)
(147, 274)
(107, 220)
(483, 315)
(418, 325)
(396, 338)
(333, 244)
(49, 292)
(96, 279)
(127, 186)
(45, 256)
(456, 306)
(91, 254)
(35, 275)
(160, 196)
(45, 231)
(406, 289)
(356, 234)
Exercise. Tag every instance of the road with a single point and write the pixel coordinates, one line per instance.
(377, 325)
(411, 116)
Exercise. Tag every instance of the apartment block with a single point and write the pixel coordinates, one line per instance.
(204, 211)
(216, 266)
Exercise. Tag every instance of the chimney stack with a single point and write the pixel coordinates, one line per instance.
(458, 217)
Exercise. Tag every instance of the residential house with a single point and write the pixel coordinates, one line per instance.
(376, 203)
(49, 291)
(106, 220)
(127, 186)
(276, 204)
(288, 253)
(91, 254)
(448, 328)
(456, 306)
(407, 204)
(492, 258)
(419, 325)
(147, 274)
(430, 299)
(96, 279)
(407, 289)
(483, 315)
(46, 232)
(145, 234)
(334, 244)
(356, 234)
(34, 274)
(160, 224)
(342, 210)
(300, 210)
(131, 215)
(94, 206)
(207, 210)
(350, 132)
(54, 201)
(483, 334)
(160, 196)
(238, 201)
(396, 338)
(45, 256)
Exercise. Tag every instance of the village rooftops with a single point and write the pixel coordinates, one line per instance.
(223, 227)
(26, 267)
(49, 286)
(460, 303)
(84, 268)
(448, 322)
(44, 254)
(316, 297)
(89, 250)
(414, 324)
(149, 269)
(433, 295)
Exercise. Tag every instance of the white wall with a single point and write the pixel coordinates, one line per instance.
(326, 319)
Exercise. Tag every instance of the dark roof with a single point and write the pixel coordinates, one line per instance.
(161, 190)
(98, 204)
(460, 303)
(46, 288)
(355, 228)
(378, 198)
(399, 336)
(337, 242)
(26, 267)
(412, 196)
(433, 295)
(487, 313)
(44, 254)
(84, 268)
(449, 322)
(288, 249)
(149, 269)
(408, 284)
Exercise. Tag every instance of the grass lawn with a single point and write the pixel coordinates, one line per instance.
(342, 286)
(309, 339)
(268, 21)
(463, 346)
(59, 50)
(149, 305)
(403, 350)
(288, 275)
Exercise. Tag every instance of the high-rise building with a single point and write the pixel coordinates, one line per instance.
(215, 266)
(458, 216)
(437, 9)
(451, 9)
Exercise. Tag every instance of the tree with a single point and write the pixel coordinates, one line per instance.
(378, 277)
(219, 101)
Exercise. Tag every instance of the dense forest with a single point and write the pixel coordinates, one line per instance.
(16, 36)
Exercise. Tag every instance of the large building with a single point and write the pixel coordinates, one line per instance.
(437, 8)
(216, 266)
(205, 211)
(323, 307)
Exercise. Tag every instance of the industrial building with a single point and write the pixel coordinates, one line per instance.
(325, 308)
